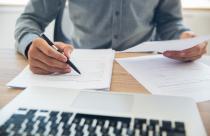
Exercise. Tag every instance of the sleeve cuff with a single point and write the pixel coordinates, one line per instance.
(25, 41)
(177, 34)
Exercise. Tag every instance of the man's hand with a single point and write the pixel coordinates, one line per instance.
(189, 54)
(43, 59)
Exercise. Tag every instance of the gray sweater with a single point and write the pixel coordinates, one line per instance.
(117, 24)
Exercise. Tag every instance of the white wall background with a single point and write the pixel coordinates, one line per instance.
(198, 21)
(8, 16)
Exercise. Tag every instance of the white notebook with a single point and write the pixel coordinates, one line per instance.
(95, 66)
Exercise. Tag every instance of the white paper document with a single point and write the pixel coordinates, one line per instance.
(164, 76)
(171, 45)
(205, 59)
(95, 66)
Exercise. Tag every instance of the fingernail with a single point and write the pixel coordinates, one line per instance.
(68, 70)
(67, 66)
(64, 59)
(69, 54)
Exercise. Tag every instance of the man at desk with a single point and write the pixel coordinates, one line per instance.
(117, 24)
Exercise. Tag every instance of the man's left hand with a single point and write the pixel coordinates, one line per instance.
(191, 54)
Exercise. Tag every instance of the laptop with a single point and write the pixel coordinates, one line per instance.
(67, 112)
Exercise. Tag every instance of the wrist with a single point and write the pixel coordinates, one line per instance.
(27, 49)
(187, 34)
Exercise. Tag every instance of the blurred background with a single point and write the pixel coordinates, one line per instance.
(196, 16)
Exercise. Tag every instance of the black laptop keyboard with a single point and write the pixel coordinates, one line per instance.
(30, 122)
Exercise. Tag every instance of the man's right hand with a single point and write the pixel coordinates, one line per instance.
(43, 59)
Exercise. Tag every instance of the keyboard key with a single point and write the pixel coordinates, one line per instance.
(150, 127)
(79, 128)
(66, 126)
(91, 129)
(76, 120)
(44, 111)
(93, 134)
(139, 122)
(53, 113)
(28, 129)
(16, 127)
(104, 130)
(130, 132)
(31, 112)
(17, 118)
(22, 109)
(66, 115)
(179, 127)
(154, 122)
(42, 125)
(113, 123)
(174, 133)
(100, 123)
(41, 130)
(4, 126)
(66, 132)
(53, 131)
(44, 122)
(54, 125)
(2, 131)
(41, 119)
(166, 125)
(79, 133)
(118, 131)
(88, 121)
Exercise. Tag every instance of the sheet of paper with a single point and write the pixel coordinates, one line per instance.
(171, 45)
(95, 66)
(164, 76)
(205, 59)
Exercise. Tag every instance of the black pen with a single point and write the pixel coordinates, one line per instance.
(43, 36)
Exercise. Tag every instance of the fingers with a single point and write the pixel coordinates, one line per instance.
(42, 61)
(40, 66)
(194, 51)
(66, 48)
(188, 54)
(50, 61)
(43, 46)
(185, 59)
(39, 71)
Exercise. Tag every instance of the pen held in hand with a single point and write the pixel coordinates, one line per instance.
(43, 36)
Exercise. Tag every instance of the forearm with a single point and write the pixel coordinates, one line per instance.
(33, 21)
(169, 20)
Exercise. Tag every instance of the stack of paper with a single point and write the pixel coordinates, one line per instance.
(95, 66)
(171, 45)
(164, 76)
